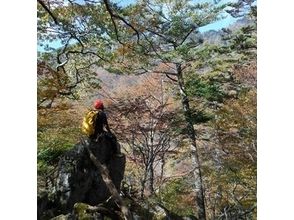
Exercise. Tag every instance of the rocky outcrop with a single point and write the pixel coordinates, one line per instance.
(80, 181)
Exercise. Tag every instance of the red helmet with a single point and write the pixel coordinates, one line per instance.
(98, 104)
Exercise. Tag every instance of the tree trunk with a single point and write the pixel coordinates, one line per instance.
(200, 200)
(143, 182)
(150, 179)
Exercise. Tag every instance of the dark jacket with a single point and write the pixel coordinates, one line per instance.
(101, 122)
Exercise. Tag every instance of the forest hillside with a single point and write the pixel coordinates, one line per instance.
(181, 105)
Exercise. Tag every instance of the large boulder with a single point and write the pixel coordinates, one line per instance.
(78, 178)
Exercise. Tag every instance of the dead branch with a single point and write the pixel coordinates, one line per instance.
(108, 182)
(113, 15)
(46, 8)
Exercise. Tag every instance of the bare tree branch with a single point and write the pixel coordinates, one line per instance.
(187, 35)
(112, 14)
(108, 182)
(168, 76)
(49, 11)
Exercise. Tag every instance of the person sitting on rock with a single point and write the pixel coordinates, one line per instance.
(101, 122)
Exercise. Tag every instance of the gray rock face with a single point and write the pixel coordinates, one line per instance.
(80, 181)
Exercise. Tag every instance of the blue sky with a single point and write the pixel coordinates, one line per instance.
(214, 26)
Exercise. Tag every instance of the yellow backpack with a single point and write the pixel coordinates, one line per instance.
(88, 125)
